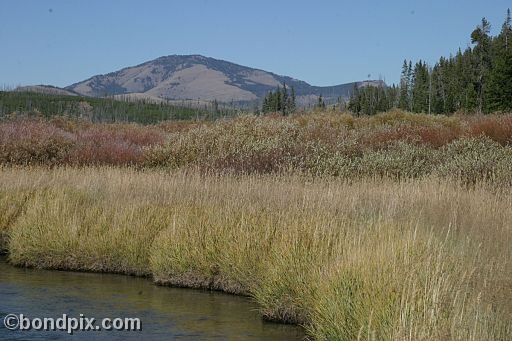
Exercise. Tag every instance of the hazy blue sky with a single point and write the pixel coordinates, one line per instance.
(321, 42)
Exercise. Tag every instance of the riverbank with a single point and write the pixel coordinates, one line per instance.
(164, 313)
(418, 259)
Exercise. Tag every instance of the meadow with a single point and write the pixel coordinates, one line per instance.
(396, 226)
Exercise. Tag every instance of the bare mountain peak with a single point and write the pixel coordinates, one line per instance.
(193, 77)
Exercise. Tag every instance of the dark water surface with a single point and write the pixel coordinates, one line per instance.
(165, 313)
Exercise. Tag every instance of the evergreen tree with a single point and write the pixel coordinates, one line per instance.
(371, 99)
(354, 104)
(506, 31)
(279, 101)
(321, 103)
(410, 85)
(266, 104)
(477, 79)
(284, 100)
(499, 90)
(438, 89)
(473, 80)
(404, 87)
(292, 104)
(480, 37)
(420, 88)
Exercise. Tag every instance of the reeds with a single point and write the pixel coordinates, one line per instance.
(422, 259)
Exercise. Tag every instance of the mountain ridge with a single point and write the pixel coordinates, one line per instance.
(196, 77)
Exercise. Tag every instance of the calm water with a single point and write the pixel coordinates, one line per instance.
(165, 313)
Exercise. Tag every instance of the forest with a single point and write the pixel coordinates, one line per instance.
(476, 80)
(14, 103)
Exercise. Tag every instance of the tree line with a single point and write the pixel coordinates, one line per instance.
(476, 80)
(280, 100)
(106, 109)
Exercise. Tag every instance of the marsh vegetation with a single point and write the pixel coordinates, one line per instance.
(395, 226)
(409, 259)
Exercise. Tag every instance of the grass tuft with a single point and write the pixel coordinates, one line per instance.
(419, 259)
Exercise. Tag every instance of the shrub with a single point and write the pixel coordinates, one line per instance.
(113, 144)
(33, 142)
(476, 159)
(496, 127)
(395, 144)
(60, 141)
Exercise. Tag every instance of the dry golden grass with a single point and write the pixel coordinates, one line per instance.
(371, 259)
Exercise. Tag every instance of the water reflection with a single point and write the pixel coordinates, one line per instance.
(166, 313)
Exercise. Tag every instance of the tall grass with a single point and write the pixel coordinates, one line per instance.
(422, 259)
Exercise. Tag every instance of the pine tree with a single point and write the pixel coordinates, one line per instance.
(438, 99)
(403, 102)
(506, 30)
(284, 100)
(370, 99)
(420, 88)
(321, 103)
(279, 100)
(354, 103)
(410, 85)
(480, 37)
(499, 90)
(266, 107)
(292, 105)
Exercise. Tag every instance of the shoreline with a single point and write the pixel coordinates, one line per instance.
(330, 256)
(172, 312)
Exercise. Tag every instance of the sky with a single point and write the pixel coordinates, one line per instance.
(60, 42)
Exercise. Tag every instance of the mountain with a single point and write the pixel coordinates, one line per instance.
(195, 77)
(46, 89)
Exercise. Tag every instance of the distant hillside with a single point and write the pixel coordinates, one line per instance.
(195, 77)
(40, 104)
(46, 89)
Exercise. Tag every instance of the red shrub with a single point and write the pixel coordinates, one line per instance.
(61, 141)
(498, 128)
(438, 136)
(429, 135)
(30, 142)
(113, 144)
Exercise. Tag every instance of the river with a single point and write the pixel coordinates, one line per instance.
(165, 313)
